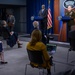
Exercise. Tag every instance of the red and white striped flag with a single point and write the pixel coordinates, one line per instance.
(49, 19)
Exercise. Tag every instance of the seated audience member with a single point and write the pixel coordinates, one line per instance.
(5, 29)
(2, 54)
(36, 44)
(36, 26)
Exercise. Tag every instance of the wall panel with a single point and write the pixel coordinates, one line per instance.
(56, 14)
(13, 2)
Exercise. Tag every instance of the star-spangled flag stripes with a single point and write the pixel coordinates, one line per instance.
(49, 19)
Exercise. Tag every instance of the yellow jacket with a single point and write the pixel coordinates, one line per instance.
(42, 47)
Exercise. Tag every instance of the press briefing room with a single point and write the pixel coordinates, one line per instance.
(37, 37)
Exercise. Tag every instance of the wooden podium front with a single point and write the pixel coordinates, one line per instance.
(63, 31)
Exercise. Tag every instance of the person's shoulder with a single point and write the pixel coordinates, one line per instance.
(41, 43)
(28, 45)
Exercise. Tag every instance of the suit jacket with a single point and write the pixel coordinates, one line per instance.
(43, 22)
(43, 14)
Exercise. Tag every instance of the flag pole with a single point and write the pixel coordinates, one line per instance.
(48, 7)
(49, 23)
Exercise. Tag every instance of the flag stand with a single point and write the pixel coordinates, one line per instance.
(49, 23)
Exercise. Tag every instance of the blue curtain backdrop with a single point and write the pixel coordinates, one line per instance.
(33, 7)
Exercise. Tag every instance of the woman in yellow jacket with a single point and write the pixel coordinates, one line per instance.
(36, 44)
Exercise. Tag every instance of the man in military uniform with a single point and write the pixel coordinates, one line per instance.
(71, 13)
(71, 23)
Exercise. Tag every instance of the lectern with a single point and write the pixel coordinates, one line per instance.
(63, 31)
(38, 18)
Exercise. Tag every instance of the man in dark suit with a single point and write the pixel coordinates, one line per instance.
(43, 23)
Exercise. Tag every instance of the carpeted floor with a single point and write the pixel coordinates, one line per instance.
(17, 59)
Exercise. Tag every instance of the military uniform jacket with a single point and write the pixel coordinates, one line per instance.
(72, 15)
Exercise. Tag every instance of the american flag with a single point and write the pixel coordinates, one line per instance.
(49, 19)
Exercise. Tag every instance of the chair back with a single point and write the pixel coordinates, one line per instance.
(35, 56)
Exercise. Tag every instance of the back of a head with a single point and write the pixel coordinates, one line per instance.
(36, 36)
(35, 24)
(4, 23)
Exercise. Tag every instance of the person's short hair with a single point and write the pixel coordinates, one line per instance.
(43, 5)
(35, 24)
(3, 22)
